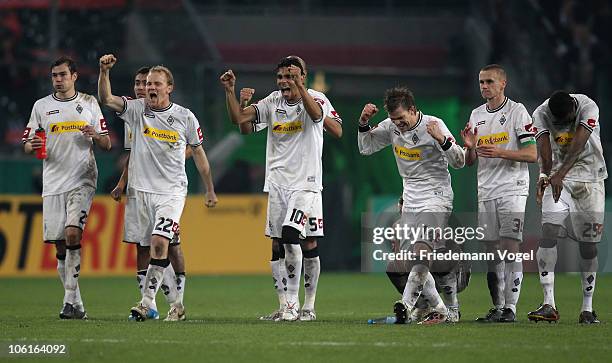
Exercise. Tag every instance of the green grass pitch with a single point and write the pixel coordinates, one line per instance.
(222, 324)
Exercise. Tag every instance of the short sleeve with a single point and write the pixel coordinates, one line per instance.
(194, 136)
(263, 111)
(540, 126)
(131, 110)
(98, 121)
(589, 116)
(32, 125)
(127, 137)
(523, 127)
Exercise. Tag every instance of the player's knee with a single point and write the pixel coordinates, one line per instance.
(550, 233)
(311, 253)
(309, 245)
(60, 248)
(73, 236)
(290, 235)
(588, 251)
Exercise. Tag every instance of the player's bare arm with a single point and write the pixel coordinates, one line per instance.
(528, 154)
(103, 141)
(311, 106)
(469, 143)
(105, 94)
(122, 182)
(201, 162)
(545, 161)
(333, 127)
(575, 149)
(237, 114)
(246, 94)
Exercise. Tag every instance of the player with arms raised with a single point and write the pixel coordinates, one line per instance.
(423, 149)
(161, 131)
(294, 118)
(332, 124)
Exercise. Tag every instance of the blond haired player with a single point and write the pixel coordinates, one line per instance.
(73, 122)
(572, 164)
(499, 137)
(423, 148)
(174, 276)
(161, 131)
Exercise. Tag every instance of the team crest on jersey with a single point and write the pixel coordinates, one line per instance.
(415, 139)
(407, 154)
(170, 120)
(494, 139)
(299, 109)
(502, 120)
(68, 126)
(288, 127)
(79, 108)
(51, 112)
(161, 135)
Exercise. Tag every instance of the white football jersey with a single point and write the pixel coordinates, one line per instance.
(421, 161)
(127, 137)
(590, 166)
(70, 160)
(159, 139)
(508, 127)
(294, 147)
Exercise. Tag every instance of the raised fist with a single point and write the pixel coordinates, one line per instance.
(369, 110)
(107, 62)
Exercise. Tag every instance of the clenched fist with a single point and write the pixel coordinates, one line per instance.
(107, 62)
(228, 80)
(369, 110)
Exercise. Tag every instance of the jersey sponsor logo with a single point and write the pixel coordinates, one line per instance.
(26, 133)
(591, 122)
(564, 138)
(407, 154)
(288, 127)
(51, 112)
(68, 126)
(200, 135)
(161, 135)
(103, 125)
(494, 139)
